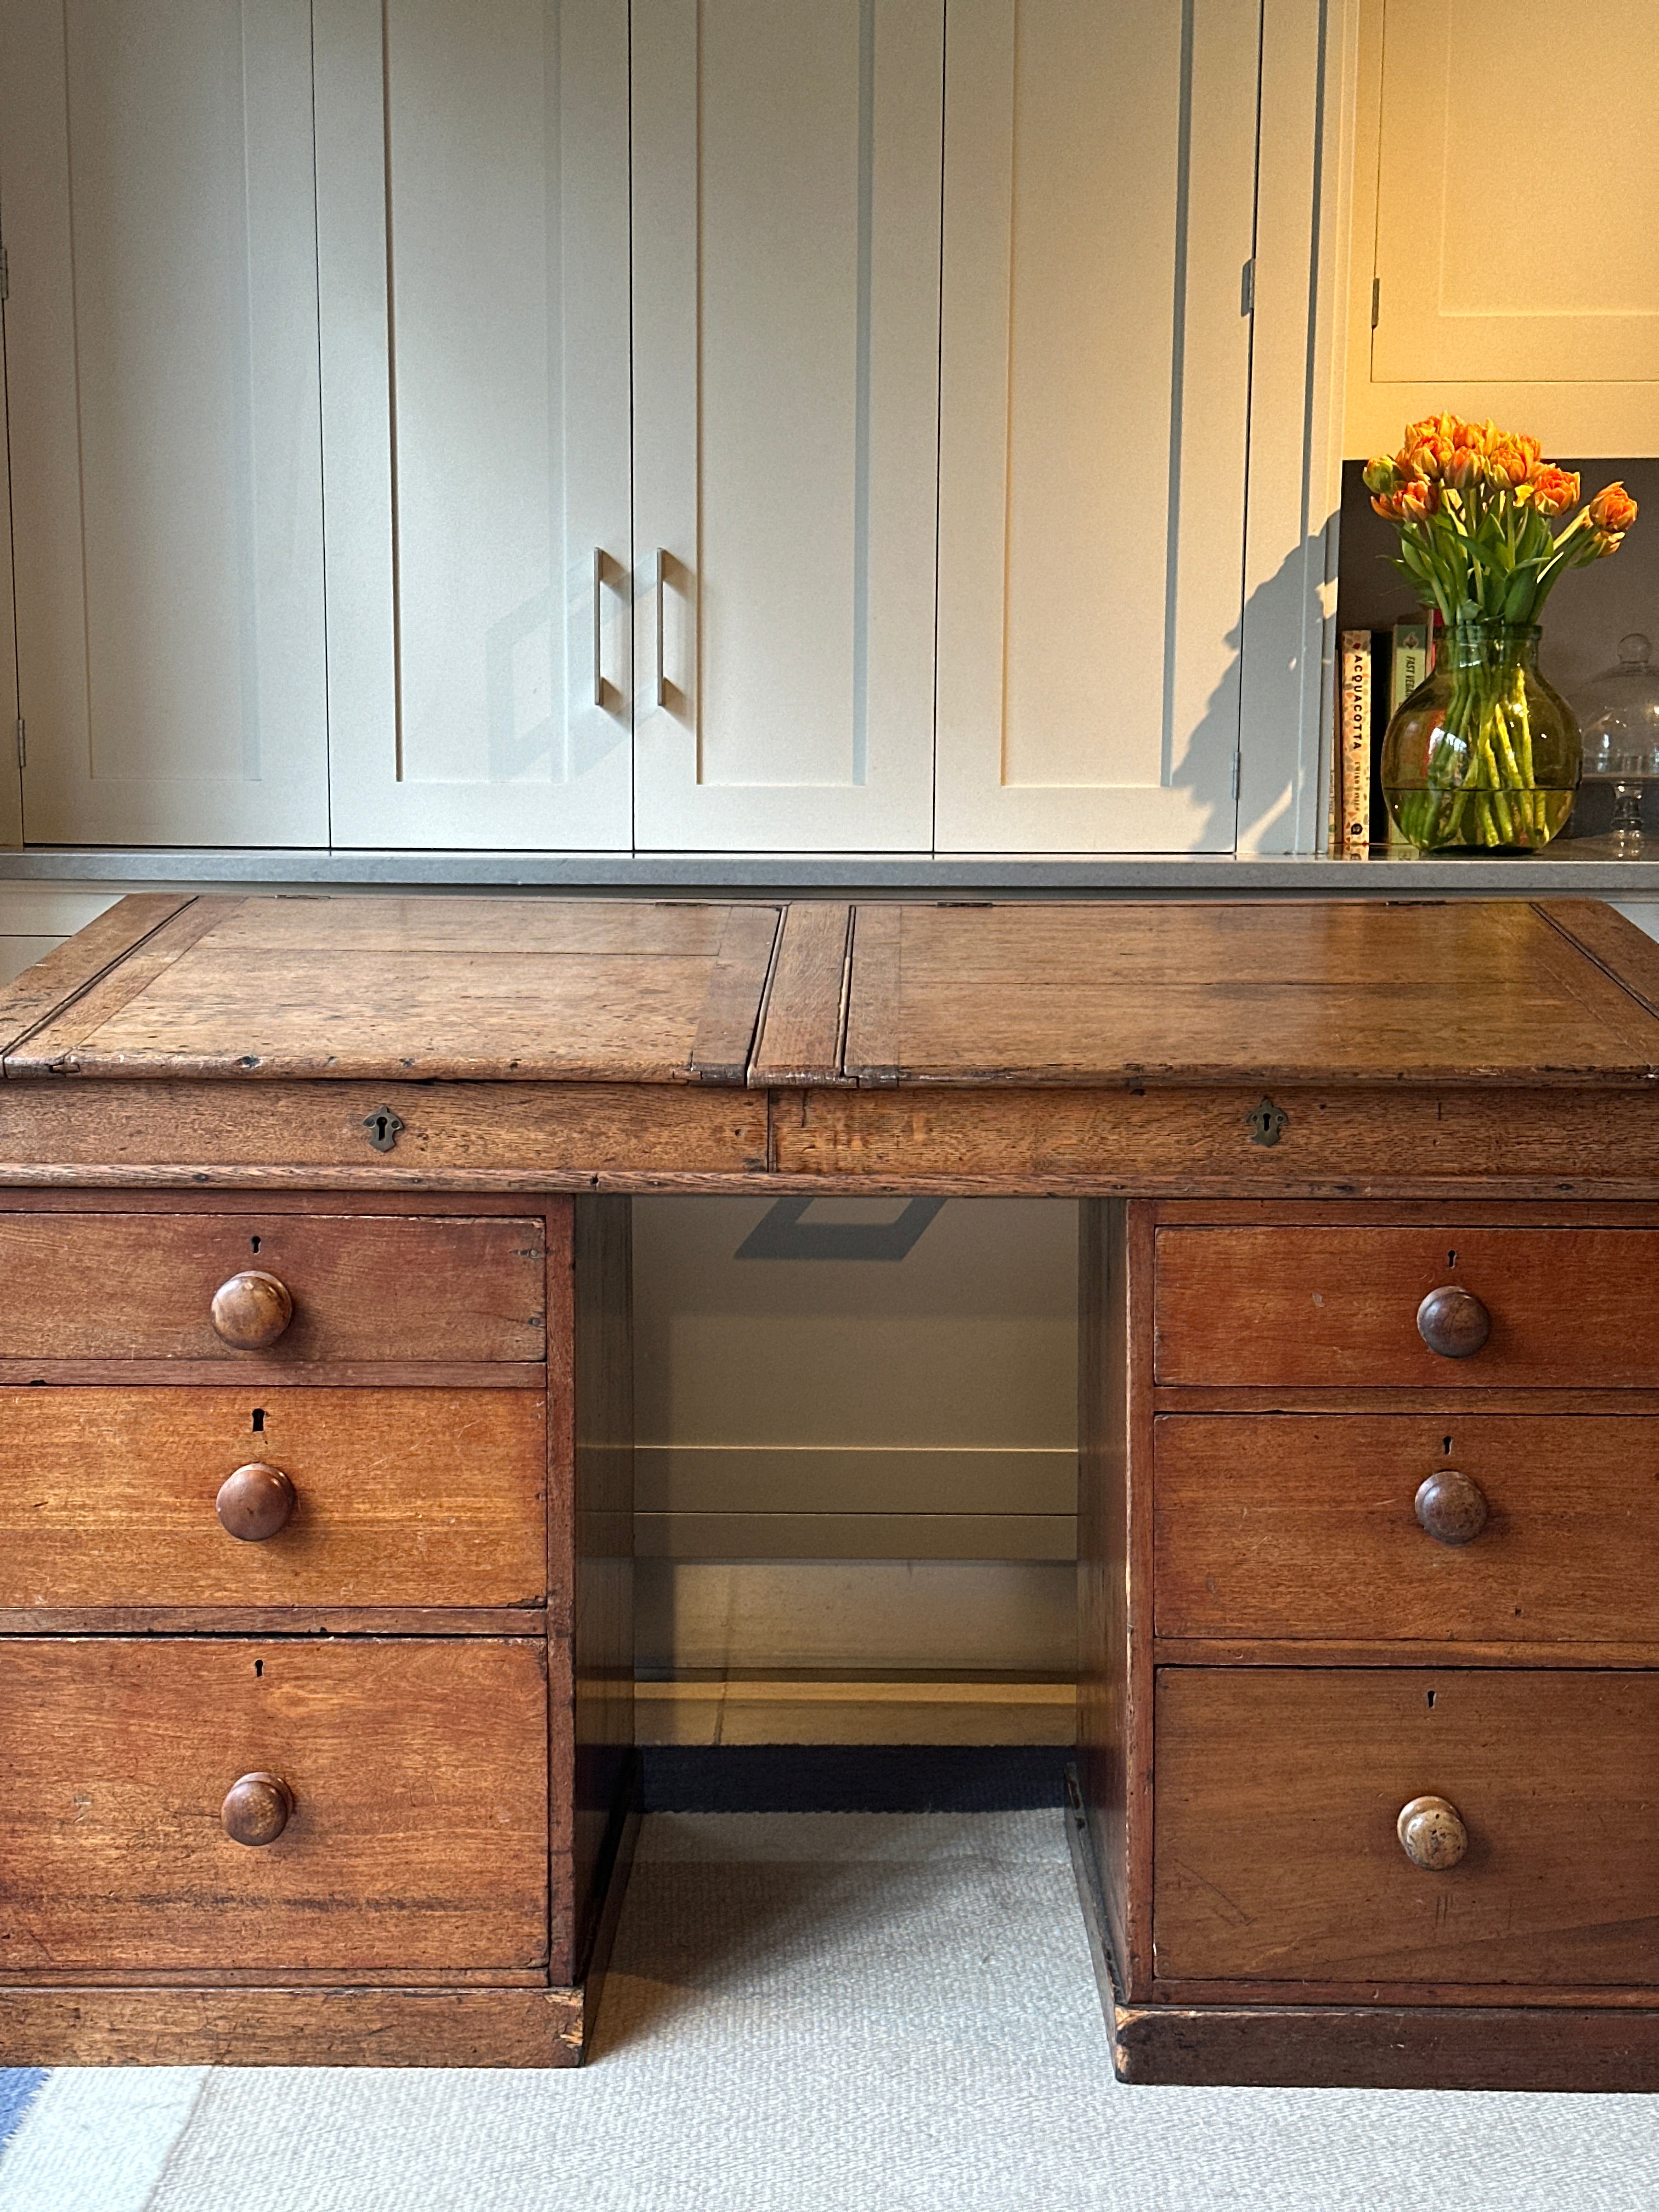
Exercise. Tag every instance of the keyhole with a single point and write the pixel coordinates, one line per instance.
(1446, 1442)
(254, 1243)
(259, 1421)
(1430, 1700)
(1451, 1259)
(260, 1669)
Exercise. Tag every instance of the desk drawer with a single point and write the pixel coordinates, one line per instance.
(418, 1833)
(361, 1286)
(1307, 1527)
(391, 1497)
(1278, 1859)
(1337, 1307)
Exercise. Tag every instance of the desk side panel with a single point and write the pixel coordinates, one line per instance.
(1113, 1673)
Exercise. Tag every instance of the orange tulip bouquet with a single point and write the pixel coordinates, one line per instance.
(1486, 753)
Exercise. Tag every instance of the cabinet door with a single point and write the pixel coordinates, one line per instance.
(1509, 251)
(472, 205)
(161, 371)
(1099, 183)
(1500, 269)
(786, 327)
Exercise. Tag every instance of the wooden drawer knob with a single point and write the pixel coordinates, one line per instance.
(1431, 1833)
(1451, 1508)
(257, 1808)
(252, 1310)
(258, 1501)
(1452, 1322)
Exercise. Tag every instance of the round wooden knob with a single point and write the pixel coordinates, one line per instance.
(257, 1808)
(255, 1502)
(1450, 1507)
(252, 1310)
(1452, 1322)
(1431, 1834)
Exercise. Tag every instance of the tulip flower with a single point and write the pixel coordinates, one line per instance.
(1552, 491)
(1613, 510)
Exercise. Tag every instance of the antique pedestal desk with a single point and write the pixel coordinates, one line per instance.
(315, 1492)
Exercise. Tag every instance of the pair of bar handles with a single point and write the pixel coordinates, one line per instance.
(600, 556)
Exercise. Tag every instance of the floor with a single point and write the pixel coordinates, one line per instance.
(820, 2012)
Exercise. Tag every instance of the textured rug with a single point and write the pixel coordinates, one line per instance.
(821, 2012)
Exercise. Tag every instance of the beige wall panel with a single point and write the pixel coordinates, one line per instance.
(884, 1615)
(855, 1535)
(738, 1479)
(856, 1712)
(967, 1342)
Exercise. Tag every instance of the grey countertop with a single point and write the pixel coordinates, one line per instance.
(1586, 870)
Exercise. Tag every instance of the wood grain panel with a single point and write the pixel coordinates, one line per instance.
(418, 1837)
(402, 1498)
(90, 2026)
(1278, 1791)
(527, 1136)
(69, 968)
(487, 988)
(800, 1036)
(1323, 993)
(1335, 1306)
(1174, 1140)
(1386, 2047)
(1304, 1528)
(137, 1286)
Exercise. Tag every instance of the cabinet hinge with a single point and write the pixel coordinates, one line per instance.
(1247, 288)
(22, 745)
(1376, 300)
(1235, 775)
(5, 275)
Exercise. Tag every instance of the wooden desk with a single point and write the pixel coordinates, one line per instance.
(314, 1239)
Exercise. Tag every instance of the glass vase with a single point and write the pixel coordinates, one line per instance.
(1484, 756)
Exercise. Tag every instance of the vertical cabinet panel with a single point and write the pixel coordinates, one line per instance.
(161, 368)
(1570, 293)
(786, 327)
(473, 212)
(1099, 181)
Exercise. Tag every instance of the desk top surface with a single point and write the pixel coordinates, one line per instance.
(822, 994)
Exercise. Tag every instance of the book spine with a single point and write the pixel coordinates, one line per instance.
(1411, 663)
(1354, 724)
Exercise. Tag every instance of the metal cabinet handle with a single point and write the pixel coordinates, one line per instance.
(598, 585)
(662, 671)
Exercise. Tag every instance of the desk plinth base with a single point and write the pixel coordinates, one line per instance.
(341, 2025)
(1596, 2047)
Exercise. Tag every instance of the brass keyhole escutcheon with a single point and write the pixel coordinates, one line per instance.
(1266, 1122)
(383, 1125)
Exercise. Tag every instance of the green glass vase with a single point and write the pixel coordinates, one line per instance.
(1484, 756)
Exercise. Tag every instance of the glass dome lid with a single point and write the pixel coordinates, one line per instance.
(1619, 712)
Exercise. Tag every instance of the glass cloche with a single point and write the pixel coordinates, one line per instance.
(1618, 723)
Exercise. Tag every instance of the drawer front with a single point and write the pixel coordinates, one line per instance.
(1322, 1307)
(1279, 1791)
(115, 1498)
(364, 1287)
(418, 1834)
(1529, 1530)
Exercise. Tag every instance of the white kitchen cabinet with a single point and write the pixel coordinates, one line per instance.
(785, 348)
(1099, 187)
(472, 207)
(157, 182)
(1506, 243)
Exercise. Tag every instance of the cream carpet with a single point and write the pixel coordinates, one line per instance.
(821, 2012)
